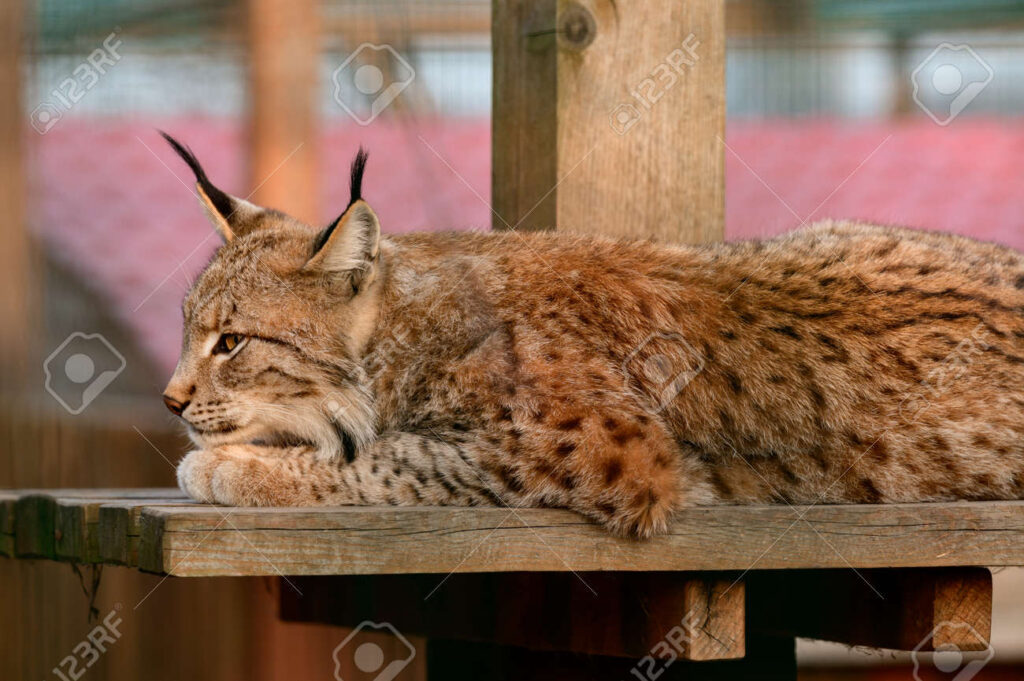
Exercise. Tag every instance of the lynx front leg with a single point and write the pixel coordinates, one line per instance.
(243, 475)
(397, 469)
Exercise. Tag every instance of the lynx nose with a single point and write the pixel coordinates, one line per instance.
(174, 405)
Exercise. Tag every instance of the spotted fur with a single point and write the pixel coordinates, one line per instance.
(842, 363)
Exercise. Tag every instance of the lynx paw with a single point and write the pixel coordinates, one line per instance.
(195, 473)
(234, 476)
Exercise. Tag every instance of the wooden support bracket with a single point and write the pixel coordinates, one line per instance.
(657, 615)
(911, 609)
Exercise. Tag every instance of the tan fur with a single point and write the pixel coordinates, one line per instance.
(842, 363)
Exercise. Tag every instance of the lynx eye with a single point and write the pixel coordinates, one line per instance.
(227, 343)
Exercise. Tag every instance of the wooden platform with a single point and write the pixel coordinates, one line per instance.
(159, 530)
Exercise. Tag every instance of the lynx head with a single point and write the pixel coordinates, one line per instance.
(275, 325)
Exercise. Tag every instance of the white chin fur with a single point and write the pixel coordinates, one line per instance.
(349, 409)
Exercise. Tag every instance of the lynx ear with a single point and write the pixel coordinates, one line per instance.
(350, 245)
(230, 215)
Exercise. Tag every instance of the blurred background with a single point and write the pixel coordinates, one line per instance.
(103, 235)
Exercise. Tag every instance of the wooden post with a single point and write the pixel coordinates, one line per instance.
(18, 288)
(609, 117)
(283, 68)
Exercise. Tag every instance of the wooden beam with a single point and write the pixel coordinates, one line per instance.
(915, 609)
(19, 281)
(194, 541)
(664, 615)
(609, 117)
(188, 539)
(283, 41)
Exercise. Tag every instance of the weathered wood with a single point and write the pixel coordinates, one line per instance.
(33, 526)
(119, 530)
(189, 539)
(608, 118)
(949, 600)
(65, 524)
(716, 629)
(77, 521)
(664, 615)
(899, 609)
(195, 541)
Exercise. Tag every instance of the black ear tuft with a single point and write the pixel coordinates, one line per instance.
(356, 180)
(221, 201)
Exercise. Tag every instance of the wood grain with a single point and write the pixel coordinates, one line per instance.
(196, 541)
(187, 539)
(562, 69)
(716, 629)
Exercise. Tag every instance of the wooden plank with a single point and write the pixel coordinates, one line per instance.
(196, 541)
(119, 528)
(64, 524)
(899, 609)
(33, 526)
(78, 521)
(664, 615)
(609, 118)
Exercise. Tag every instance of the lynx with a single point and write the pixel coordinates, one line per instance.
(844, 362)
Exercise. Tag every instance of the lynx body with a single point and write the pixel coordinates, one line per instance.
(842, 363)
